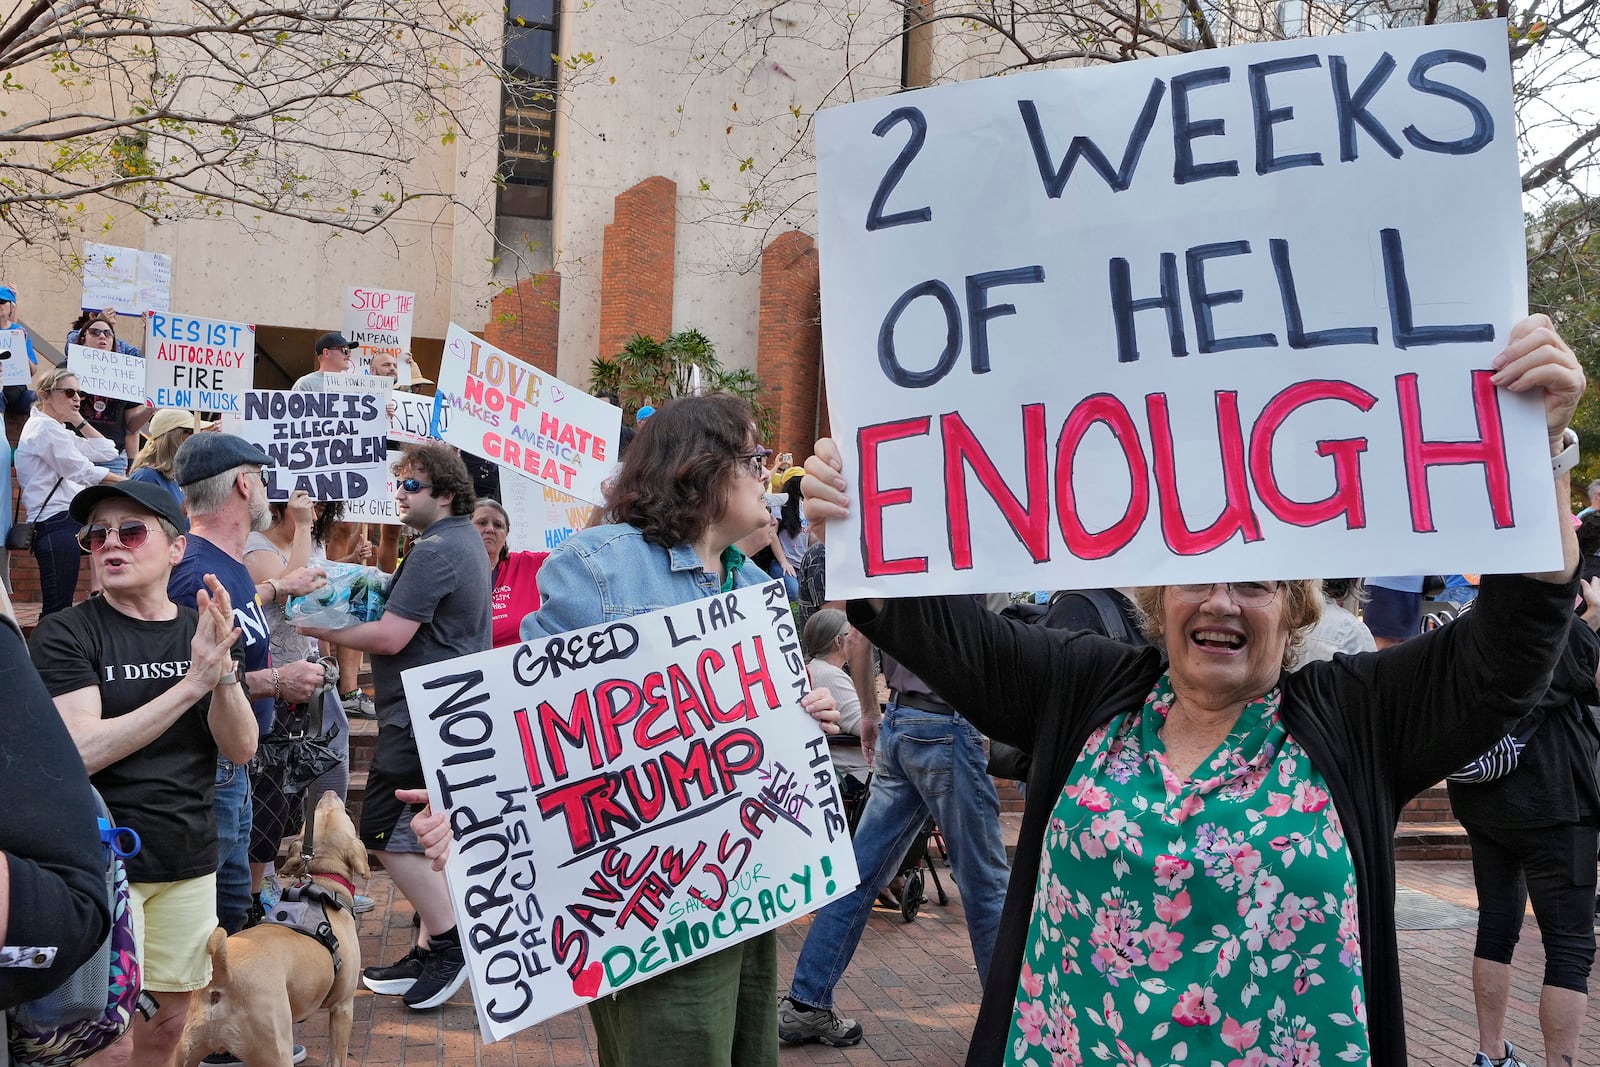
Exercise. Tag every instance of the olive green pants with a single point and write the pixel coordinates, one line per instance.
(719, 1011)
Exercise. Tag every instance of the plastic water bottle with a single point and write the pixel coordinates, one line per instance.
(271, 892)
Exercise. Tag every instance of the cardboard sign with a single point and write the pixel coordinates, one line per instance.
(332, 445)
(379, 320)
(198, 364)
(541, 517)
(118, 375)
(378, 505)
(512, 413)
(125, 280)
(14, 366)
(641, 794)
(1219, 316)
(335, 382)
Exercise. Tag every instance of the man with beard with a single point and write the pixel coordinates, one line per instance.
(224, 484)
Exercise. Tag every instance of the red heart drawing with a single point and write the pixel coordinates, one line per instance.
(587, 984)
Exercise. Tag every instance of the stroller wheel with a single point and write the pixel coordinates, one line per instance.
(912, 896)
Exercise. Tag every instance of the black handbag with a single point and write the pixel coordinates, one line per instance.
(20, 537)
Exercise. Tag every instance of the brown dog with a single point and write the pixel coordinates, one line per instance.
(267, 978)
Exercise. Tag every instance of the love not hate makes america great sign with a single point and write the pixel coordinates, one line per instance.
(1206, 317)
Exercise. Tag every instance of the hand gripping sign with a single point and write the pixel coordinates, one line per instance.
(627, 799)
(510, 412)
(1205, 317)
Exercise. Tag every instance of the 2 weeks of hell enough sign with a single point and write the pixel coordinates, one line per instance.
(628, 798)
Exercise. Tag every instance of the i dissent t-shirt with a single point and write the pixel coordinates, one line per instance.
(163, 791)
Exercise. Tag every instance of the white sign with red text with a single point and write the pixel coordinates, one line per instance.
(628, 798)
(514, 414)
(198, 364)
(379, 320)
(1217, 316)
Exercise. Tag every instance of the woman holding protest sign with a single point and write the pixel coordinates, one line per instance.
(1212, 831)
(514, 576)
(690, 487)
(57, 455)
(119, 421)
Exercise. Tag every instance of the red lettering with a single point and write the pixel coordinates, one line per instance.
(749, 675)
(588, 809)
(1489, 450)
(615, 863)
(713, 659)
(1031, 524)
(617, 702)
(655, 707)
(1346, 497)
(549, 425)
(685, 701)
(694, 768)
(736, 752)
(874, 499)
(648, 806)
(1107, 409)
(577, 730)
(649, 896)
(1237, 516)
(530, 755)
(571, 949)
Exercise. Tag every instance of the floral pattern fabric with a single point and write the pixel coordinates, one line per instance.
(1208, 921)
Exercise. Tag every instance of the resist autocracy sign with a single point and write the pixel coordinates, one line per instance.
(198, 364)
(1207, 317)
(627, 799)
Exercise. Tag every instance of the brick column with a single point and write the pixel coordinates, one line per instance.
(525, 320)
(637, 265)
(789, 339)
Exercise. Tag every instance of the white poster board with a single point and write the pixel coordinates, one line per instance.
(332, 445)
(411, 417)
(14, 366)
(1183, 319)
(514, 414)
(742, 833)
(379, 320)
(125, 280)
(378, 505)
(118, 375)
(541, 517)
(198, 364)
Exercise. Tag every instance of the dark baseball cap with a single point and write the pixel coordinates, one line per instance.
(153, 498)
(206, 454)
(334, 340)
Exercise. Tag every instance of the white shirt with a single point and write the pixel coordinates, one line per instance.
(846, 759)
(47, 450)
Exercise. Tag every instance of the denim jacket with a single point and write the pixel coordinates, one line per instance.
(611, 572)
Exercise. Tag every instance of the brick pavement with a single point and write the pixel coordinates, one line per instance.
(914, 990)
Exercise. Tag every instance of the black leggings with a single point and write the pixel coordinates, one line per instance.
(1555, 866)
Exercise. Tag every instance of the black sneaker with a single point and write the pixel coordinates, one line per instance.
(398, 977)
(443, 970)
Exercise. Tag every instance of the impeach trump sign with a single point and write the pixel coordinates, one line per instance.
(628, 798)
(1206, 317)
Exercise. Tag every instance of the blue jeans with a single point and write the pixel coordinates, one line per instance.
(55, 546)
(117, 464)
(232, 803)
(926, 763)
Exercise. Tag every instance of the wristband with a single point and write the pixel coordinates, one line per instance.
(277, 590)
(277, 685)
(1567, 458)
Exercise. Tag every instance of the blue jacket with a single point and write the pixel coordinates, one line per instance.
(611, 572)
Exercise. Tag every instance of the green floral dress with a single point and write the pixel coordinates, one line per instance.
(1209, 921)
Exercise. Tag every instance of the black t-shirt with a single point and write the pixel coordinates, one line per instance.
(109, 416)
(164, 790)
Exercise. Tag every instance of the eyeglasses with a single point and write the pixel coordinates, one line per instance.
(753, 463)
(100, 331)
(411, 485)
(261, 473)
(70, 394)
(1244, 594)
(130, 534)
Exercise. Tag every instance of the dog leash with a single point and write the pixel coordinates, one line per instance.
(330, 680)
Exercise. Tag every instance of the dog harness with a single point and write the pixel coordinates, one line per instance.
(304, 909)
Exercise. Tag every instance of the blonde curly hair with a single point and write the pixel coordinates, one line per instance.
(1302, 608)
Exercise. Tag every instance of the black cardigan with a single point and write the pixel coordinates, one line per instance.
(1380, 728)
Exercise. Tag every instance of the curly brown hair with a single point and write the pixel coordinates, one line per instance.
(676, 474)
(1302, 607)
(441, 466)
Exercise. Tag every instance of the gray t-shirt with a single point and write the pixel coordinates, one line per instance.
(310, 383)
(444, 585)
(287, 642)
